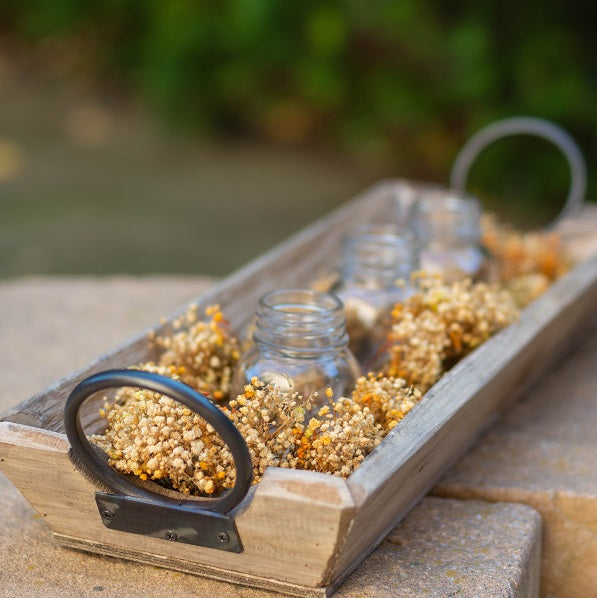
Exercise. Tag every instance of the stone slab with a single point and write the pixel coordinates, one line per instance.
(454, 548)
(543, 453)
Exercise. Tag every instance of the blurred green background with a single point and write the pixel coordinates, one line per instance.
(186, 136)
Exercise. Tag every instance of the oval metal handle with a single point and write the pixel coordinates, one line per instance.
(526, 125)
(91, 460)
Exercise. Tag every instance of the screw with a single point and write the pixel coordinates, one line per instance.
(170, 535)
(107, 515)
(223, 537)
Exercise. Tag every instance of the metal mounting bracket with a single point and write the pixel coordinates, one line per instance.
(174, 523)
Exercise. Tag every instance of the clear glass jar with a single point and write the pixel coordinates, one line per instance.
(448, 227)
(300, 342)
(377, 261)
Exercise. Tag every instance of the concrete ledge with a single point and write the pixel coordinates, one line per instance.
(543, 454)
(453, 547)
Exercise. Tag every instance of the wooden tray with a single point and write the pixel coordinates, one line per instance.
(304, 532)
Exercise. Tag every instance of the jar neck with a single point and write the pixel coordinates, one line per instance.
(444, 219)
(300, 323)
(378, 259)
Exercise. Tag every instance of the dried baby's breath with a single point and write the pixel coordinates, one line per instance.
(388, 399)
(527, 287)
(204, 353)
(518, 253)
(272, 421)
(153, 437)
(440, 324)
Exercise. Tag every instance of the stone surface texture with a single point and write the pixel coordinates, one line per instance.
(454, 548)
(52, 326)
(543, 453)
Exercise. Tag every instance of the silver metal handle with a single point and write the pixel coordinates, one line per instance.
(526, 125)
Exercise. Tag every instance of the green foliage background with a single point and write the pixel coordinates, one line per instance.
(401, 82)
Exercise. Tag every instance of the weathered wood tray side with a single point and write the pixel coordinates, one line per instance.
(290, 524)
(304, 532)
(459, 407)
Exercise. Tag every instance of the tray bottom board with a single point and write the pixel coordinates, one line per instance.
(184, 566)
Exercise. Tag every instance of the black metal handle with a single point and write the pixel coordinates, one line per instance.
(90, 459)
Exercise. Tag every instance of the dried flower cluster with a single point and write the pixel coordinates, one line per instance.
(527, 262)
(154, 437)
(526, 288)
(388, 399)
(440, 324)
(204, 353)
(339, 439)
(336, 441)
(272, 423)
(270, 419)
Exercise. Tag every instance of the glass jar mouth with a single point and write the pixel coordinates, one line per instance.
(379, 253)
(446, 217)
(301, 322)
(301, 304)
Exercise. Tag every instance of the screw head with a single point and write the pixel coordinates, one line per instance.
(107, 515)
(172, 536)
(223, 537)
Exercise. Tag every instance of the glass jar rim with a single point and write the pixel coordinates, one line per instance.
(446, 216)
(302, 321)
(287, 302)
(454, 201)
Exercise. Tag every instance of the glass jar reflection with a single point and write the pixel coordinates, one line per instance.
(448, 228)
(377, 261)
(300, 343)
